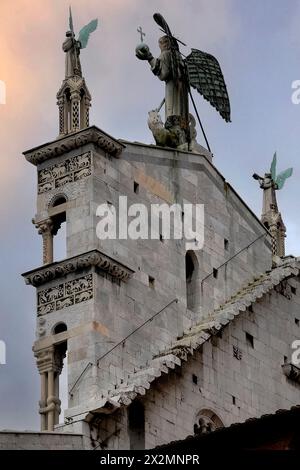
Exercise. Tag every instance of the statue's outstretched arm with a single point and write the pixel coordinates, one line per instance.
(258, 178)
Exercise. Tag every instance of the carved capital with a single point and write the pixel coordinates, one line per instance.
(44, 226)
(61, 100)
(49, 359)
(75, 96)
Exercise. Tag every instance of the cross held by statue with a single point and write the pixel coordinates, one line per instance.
(139, 30)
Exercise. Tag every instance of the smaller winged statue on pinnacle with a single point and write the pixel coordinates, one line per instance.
(72, 46)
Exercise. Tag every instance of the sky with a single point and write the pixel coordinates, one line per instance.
(257, 43)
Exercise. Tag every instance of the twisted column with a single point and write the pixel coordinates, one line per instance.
(49, 363)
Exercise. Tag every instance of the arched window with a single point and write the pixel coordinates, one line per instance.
(61, 379)
(191, 275)
(136, 425)
(59, 226)
(58, 200)
(206, 421)
(60, 236)
(59, 328)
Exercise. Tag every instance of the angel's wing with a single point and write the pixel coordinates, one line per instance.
(85, 32)
(273, 167)
(280, 180)
(206, 76)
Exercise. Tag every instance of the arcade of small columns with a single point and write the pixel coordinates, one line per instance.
(50, 360)
(74, 101)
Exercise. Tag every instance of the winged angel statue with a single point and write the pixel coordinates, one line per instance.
(198, 70)
(271, 180)
(271, 217)
(72, 46)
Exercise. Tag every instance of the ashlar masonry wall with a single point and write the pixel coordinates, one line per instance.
(228, 386)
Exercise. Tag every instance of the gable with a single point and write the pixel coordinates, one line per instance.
(272, 303)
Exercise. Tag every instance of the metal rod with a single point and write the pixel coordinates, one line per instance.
(234, 256)
(134, 331)
(120, 342)
(76, 381)
(199, 120)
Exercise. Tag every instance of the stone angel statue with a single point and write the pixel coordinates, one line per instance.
(72, 46)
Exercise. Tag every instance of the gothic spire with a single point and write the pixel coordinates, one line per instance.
(73, 97)
(271, 217)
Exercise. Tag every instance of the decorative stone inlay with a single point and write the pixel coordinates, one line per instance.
(74, 141)
(65, 295)
(95, 258)
(72, 169)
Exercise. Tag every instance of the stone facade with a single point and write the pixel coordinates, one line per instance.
(232, 389)
(115, 307)
(106, 289)
(211, 385)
